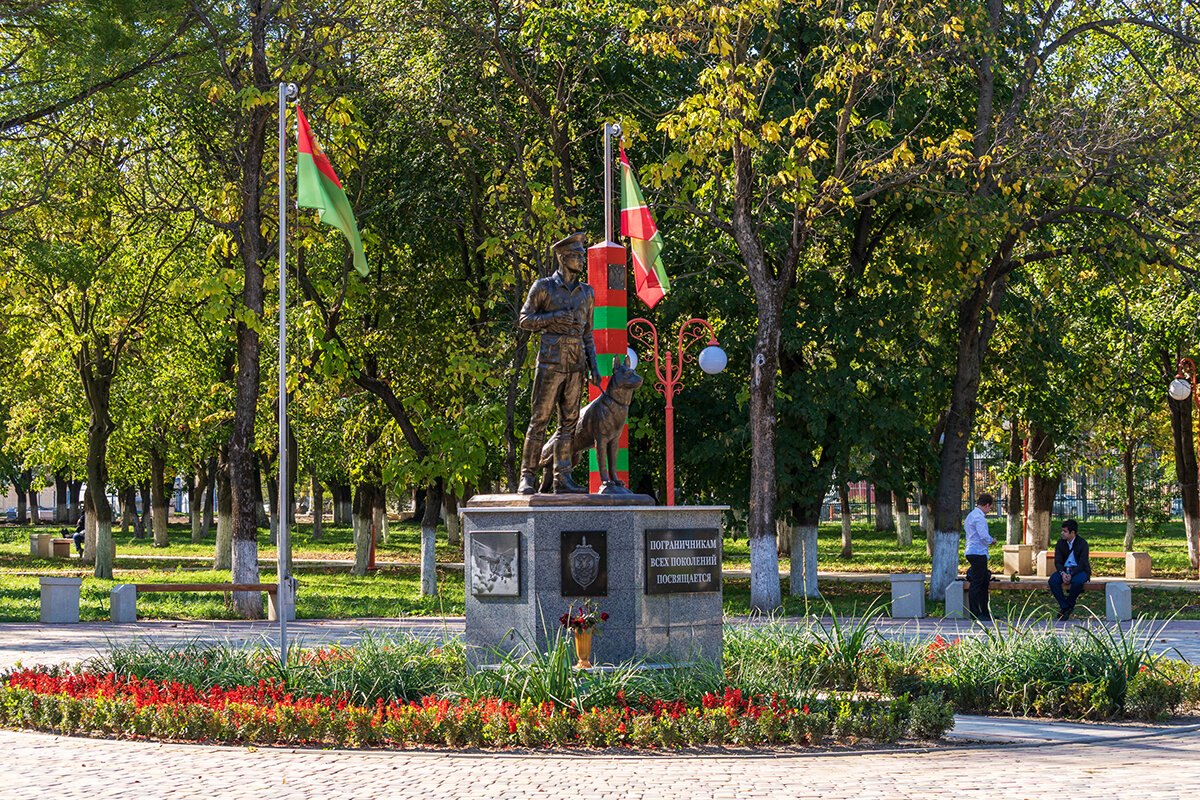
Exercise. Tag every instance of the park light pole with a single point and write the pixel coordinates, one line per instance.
(1180, 389)
(669, 370)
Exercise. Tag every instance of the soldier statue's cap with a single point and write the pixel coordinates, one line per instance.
(575, 243)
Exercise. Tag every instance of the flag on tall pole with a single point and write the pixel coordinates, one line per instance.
(645, 241)
(317, 186)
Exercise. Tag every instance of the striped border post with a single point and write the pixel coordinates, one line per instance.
(606, 274)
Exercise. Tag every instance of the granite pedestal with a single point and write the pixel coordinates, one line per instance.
(513, 613)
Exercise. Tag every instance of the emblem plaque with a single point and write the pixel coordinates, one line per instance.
(584, 564)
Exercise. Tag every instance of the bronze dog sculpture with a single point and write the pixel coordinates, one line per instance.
(600, 426)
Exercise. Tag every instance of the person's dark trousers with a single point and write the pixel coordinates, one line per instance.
(977, 594)
(1077, 581)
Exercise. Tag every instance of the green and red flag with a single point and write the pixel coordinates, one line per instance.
(644, 239)
(317, 186)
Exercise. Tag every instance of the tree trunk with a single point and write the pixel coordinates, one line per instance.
(341, 495)
(1185, 472)
(433, 504)
(883, 510)
(418, 504)
(1014, 534)
(60, 498)
(1130, 499)
(74, 501)
(802, 577)
(197, 483)
(378, 517)
(318, 507)
(35, 512)
(159, 498)
(360, 516)
(783, 537)
(904, 536)
(223, 549)
(146, 519)
(977, 315)
(765, 597)
(1042, 490)
(243, 472)
(128, 507)
(22, 504)
(210, 472)
(450, 517)
(847, 523)
(273, 508)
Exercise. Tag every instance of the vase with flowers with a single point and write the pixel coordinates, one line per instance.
(584, 622)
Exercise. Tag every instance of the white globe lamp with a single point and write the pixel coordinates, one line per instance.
(632, 356)
(713, 359)
(1179, 389)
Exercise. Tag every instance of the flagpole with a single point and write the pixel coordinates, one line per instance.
(611, 129)
(283, 593)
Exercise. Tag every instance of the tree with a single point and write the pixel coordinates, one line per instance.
(797, 115)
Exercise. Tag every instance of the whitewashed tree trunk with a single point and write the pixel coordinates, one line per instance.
(1012, 523)
(360, 524)
(450, 518)
(223, 551)
(429, 586)
(803, 579)
(245, 570)
(1130, 529)
(783, 537)
(903, 523)
(1191, 527)
(944, 566)
(104, 547)
(883, 515)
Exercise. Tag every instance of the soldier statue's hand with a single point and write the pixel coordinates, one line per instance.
(565, 322)
(595, 375)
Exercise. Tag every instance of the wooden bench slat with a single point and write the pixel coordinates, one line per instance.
(1043, 585)
(270, 588)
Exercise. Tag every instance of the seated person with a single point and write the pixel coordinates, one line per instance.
(1071, 566)
(79, 534)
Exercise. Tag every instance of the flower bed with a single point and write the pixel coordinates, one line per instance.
(109, 705)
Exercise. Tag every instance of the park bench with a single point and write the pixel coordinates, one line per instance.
(1118, 604)
(1137, 565)
(123, 597)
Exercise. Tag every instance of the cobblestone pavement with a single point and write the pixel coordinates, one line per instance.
(38, 765)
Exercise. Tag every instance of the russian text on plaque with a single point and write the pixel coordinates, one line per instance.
(683, 560)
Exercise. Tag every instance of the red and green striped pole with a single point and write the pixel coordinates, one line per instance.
(606, 274)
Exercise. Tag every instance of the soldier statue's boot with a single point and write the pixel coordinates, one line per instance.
(563, 484)
(530, 458)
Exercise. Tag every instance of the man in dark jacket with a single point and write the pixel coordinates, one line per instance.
(1071, 567)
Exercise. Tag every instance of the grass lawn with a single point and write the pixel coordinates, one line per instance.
(331, 592)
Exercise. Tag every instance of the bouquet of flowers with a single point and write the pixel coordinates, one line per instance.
(587, 617)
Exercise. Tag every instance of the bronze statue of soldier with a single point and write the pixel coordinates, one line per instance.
(560, 309)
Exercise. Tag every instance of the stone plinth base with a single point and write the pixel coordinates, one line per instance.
(515, 578)
(1018, 559)
(908, 595)
(60, 599)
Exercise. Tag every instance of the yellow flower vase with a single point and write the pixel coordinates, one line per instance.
(583, 649)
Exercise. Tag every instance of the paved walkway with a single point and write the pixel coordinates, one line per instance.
(1149, 767)
(996, 757)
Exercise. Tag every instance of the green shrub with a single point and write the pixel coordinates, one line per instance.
(1153, 696)
(930, 717)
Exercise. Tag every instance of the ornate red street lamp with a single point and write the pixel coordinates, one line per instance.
(712, 360)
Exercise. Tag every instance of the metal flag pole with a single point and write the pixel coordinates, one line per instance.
(611, 129)
(283, 593)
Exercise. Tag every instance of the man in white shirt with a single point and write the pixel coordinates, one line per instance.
(978, 540)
